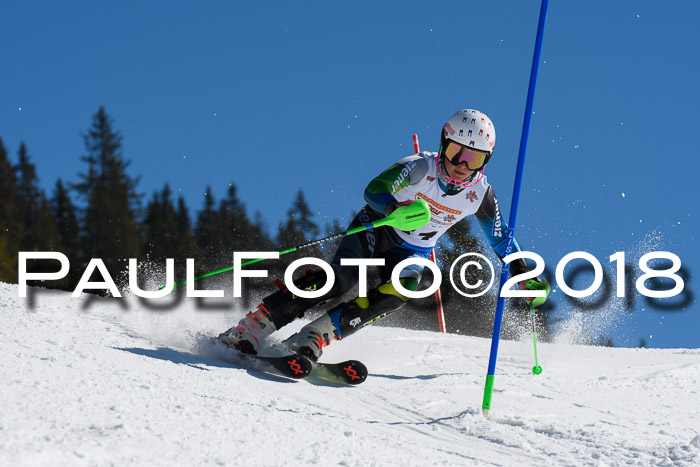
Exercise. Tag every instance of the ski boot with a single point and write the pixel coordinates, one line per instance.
(311, 339)
(250, 331)
(274, 312)
(346, 318)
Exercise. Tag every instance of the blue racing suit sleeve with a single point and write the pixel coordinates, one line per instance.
(379, 201)
(496, 229)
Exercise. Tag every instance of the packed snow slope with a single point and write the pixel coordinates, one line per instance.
(109, 382)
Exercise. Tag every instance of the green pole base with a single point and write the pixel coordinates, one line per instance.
(488, 394)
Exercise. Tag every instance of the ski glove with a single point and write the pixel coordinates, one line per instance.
(393, 206)
(535, 284)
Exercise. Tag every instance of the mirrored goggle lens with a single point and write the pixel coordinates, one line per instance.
(457, 154)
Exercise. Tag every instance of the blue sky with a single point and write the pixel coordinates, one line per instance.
(325, 95)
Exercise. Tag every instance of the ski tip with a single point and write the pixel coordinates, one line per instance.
(349, 372)
(297, 366)
(355, 371)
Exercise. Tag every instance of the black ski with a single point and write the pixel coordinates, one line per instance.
(297, 366)
(292, 366)
(347, 372)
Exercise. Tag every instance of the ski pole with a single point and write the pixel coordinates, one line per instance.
(498, 319)
(537, 369)
(404, 218)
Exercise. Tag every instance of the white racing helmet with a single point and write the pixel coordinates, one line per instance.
(475, 136)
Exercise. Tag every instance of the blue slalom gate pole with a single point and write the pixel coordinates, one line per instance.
(498, 319)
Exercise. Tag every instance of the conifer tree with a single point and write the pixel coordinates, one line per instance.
(186, 244)
(69, 241)
(109, 216)
(208, 234)
(299, 227)
(160, 227)
(182, 217)
(11, 219)
(236, 229)
(261, 239)
(38, 223)
(30, 199)
(167, 231)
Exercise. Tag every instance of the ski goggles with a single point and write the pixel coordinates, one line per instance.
(457, 154)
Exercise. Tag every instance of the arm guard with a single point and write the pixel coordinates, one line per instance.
(380, 192)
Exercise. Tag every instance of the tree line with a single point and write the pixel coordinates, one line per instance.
(111, 221)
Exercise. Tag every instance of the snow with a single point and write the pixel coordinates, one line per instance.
(111, 382)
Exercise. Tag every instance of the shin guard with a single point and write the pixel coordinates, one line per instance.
(350, 316)
(283, 306)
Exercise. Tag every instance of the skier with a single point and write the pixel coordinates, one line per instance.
(451, 181)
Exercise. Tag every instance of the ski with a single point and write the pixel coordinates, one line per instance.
(297, 366)
(292, 366)
(350, 372)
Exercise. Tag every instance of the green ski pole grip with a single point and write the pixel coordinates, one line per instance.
(407, 218)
